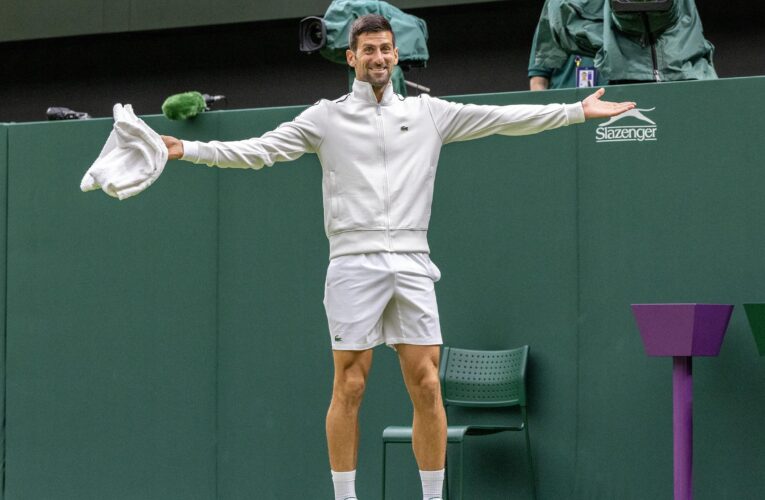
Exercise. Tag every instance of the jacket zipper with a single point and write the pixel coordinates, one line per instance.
(385, 167)
(652, 42)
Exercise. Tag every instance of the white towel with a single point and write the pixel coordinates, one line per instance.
(131, 160)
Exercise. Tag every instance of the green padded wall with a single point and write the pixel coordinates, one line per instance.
(3, 262)
(111, 340)
(678, 219)
(503, 232)
(274, 361)
(174, 345)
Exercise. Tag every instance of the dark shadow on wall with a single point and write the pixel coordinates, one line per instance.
(474, 49)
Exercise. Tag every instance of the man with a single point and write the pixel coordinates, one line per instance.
(567, 36)
(541, 78)
(379, 153)
(664, 44)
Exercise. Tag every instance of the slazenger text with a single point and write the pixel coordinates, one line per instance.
(613, 134)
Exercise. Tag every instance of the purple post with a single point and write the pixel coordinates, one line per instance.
(682, 331)
(682, 425)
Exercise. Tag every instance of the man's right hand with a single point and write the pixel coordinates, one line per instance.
(539, 83)
(174, 147)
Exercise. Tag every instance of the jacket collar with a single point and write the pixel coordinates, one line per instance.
(363, 91)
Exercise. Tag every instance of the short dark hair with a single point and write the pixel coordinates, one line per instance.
(369, 23)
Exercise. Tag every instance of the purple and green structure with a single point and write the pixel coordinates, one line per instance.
(682, 331)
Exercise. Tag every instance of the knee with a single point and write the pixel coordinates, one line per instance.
(427, 390)
(349, 390)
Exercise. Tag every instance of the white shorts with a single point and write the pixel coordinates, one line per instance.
(382, 297)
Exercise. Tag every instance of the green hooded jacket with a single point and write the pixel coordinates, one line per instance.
(560, 76)
(681, 51)
(620, 44)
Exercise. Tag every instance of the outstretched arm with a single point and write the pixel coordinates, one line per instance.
(595, 108)
(288, 141)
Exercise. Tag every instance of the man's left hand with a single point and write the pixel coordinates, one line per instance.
(595, 108)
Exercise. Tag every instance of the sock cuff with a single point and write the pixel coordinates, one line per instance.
(344, 476)
(432, 475)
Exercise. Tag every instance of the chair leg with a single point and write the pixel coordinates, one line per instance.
(462, 468)
(528, 458)
(385, 445)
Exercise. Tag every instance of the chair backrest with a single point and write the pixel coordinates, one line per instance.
(484, 378)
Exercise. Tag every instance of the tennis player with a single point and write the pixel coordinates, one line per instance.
(379, 154)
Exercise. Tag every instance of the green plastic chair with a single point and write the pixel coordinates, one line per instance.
(478, 379)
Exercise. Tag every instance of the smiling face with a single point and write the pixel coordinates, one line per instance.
(374, 58)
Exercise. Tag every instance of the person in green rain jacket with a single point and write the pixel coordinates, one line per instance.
(627, 47)
(554, 53)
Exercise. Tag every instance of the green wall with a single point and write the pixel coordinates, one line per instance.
(3, 261)
(676, 220)
(275, 368)
(30, 19)
(174, 345)
(112, 318)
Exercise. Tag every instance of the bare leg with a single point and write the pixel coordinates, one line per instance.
(351, 370)
(419, 365)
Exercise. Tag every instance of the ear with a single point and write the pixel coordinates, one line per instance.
(350, 56)
(395, 53)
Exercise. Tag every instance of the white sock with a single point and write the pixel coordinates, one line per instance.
(432, 484)
(345, 484)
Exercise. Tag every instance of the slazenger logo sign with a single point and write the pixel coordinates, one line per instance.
(627, 131)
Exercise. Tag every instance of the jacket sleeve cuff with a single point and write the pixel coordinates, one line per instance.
(190, 151)
(574, 113)
(540, 72)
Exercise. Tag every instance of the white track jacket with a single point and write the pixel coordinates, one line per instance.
(379, 159)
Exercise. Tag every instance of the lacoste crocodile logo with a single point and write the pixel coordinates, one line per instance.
(338, 338)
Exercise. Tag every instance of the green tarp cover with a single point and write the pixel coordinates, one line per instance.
(634, 23)
(619, 43)
(578, 25)
(411, 32)
(682, 51)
